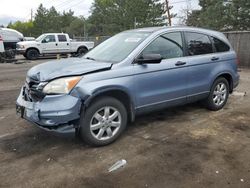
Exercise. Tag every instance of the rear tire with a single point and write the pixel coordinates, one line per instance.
(218, 95)
(82, 51)
(32, 54)
(103, 121)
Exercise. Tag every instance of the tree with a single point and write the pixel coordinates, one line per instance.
(222, 15)
(238, 15)
(24, 27)
(41, 20)
(76, 27)
(112, 16)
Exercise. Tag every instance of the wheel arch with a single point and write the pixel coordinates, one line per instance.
(32, 48)
(228, 76)
(119, 94)
(82, 47)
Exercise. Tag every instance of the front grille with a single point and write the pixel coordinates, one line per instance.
(31, 91)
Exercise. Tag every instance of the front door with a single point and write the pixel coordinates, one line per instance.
(49, 44)
(164, 84)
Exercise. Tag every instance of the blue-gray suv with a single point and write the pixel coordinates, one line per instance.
(133, 72)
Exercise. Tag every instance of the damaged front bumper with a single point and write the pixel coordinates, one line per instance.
(58, 113)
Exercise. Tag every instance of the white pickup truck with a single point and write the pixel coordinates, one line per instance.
(52, 43)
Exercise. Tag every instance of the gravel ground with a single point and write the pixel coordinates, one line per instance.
(187, 146)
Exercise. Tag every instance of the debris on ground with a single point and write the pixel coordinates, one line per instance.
(19, 62)
(242, 180)
(48, 160)
(117, 165)
(217, 172)
(240, 94)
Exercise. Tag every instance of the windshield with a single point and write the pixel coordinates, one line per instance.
(118, 47)
(40, 37)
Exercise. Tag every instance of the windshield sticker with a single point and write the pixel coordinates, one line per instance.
(132, 39)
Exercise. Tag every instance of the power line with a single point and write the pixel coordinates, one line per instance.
(69, 7)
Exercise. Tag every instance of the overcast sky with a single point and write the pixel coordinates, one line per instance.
(13, 10)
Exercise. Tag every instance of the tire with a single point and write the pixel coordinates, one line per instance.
(94, 117)
(24, 55)
(219, 89)
(81, 51)
(32, 54)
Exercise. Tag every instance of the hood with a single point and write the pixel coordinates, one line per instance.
(65, 67)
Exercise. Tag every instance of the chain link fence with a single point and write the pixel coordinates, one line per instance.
(97, 40)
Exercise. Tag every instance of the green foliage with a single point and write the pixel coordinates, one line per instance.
(50, 21)
(112, 16)
(108, 17)
(24, 27)
(221, 15)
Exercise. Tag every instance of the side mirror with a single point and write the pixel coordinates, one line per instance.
(44, 41)
(149, 59)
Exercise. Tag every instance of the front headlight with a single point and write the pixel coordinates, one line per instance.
(21, 46)
(61, 85)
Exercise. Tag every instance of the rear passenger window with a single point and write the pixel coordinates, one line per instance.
(198, 44)
(219, 45)
(168, 46)
(62, 38)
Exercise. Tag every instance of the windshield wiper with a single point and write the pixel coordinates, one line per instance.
(90, 58)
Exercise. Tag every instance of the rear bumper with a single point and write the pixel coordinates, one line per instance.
(56, 113)
(236, 81)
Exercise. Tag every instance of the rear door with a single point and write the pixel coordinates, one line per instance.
(63, 43)
(49, 44)
(201, 60)
(163, 84)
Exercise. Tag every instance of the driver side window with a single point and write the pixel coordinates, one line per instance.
(50, 38)
(168, 46)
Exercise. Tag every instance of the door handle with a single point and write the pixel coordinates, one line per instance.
(179, 63)
(215, 58)
(56, 44)
(67, 43)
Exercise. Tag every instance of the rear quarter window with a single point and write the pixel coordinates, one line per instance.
(62, 38)
(198, 44)
(219, 45)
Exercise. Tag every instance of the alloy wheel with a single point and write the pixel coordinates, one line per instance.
(219, 94)
(105, 123)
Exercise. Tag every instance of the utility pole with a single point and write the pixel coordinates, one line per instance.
(31, 15)
(135, 23)
(168, 13)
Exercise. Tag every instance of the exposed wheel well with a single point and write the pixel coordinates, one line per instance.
(119, 95)
(229, 78)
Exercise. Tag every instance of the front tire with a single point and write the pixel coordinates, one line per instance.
(32, 54)
(103, 121)
(218, 95)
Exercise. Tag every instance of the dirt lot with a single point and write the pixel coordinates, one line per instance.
(181, 147)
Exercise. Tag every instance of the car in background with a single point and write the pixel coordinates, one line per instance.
(52, 43)
(132, 73)
(29, 38)
(1, 45)
(10, 38)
